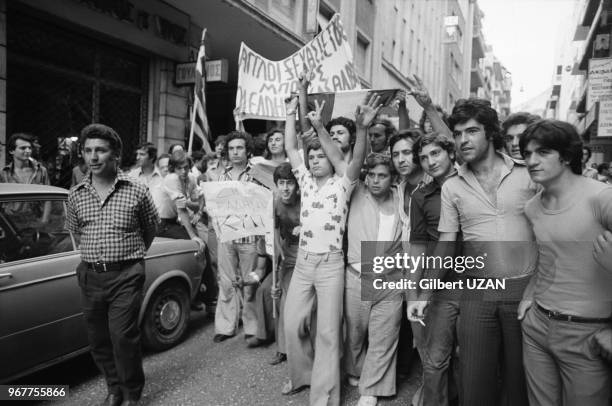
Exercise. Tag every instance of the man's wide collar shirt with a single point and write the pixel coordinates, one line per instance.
(502, 227)
(324, 211)
(111, 230)
(39, 176)
(154, 182)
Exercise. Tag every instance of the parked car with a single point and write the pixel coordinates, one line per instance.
(41, 322)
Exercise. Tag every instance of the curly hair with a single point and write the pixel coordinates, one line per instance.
(102, 132)
(481, 111)
(440, 140)
(374, 159)
(346, 123)
(408, 134)
(240, 135)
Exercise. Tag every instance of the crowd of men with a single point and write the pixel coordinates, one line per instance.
(519, 192)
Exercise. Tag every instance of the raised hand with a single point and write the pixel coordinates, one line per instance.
(315, 116)
(276, 293)
(305, 77)
(291, 103)
(365, 113)
(419, 92)
(307, 135)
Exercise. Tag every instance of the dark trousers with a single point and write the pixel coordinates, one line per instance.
(111, 303)
(436, 343)
(169, 228)
(488, 330)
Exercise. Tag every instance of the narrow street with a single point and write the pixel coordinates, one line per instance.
(200, 372)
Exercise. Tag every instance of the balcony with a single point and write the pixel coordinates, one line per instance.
(588, 44)
(476, 78)
(588, 12)
(478, 45)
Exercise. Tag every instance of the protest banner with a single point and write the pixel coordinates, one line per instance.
(263, 84)
(344, 104)
(238, 209)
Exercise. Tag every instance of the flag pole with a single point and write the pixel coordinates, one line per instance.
(191, 130)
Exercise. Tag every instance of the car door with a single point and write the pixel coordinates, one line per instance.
(40, 315)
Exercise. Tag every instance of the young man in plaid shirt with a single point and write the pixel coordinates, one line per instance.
(116, 219)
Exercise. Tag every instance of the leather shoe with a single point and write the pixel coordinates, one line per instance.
(253, 342)
(113, 399)
(221, 337)
(278, 358)
(289, 390)
(130, 402)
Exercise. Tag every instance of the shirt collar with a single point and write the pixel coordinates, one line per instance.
(155, 171)
(34, 164)
(463, 170)
(246, 169)
(121, 177)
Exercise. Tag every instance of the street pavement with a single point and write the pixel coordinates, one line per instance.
(200, 372)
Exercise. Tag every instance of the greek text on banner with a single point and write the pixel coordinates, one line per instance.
(263, 85)
(238, 209)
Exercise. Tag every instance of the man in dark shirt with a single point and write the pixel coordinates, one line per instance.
(116, 219)
(436, 339)
(287, 221)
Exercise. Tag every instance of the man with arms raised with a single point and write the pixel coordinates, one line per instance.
(372, 316)
(485, 202)
(568, 301)
(319, 270)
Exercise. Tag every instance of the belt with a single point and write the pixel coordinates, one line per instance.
(100, 267)
(173, 220)
(567, 317)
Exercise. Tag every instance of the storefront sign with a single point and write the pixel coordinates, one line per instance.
(159, 19)
(263, 84)
(216, 71)
(604, 127)
(600, 80)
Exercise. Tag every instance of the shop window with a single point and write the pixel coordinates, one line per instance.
(362, 55)
(58, 81)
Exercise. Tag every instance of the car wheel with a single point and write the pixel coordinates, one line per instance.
(166, 318)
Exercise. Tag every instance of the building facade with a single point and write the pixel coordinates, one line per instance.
(68, 63)
(594, 63)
